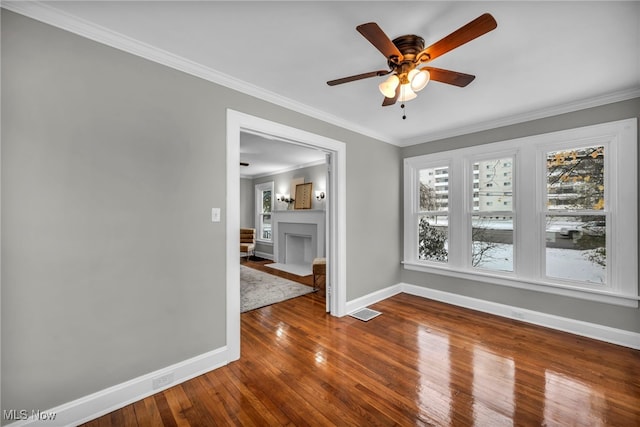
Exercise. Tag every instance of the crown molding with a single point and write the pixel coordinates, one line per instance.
(524, 117)
(48, 14)
(44, 12)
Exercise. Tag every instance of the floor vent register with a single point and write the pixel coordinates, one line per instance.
(365, 314)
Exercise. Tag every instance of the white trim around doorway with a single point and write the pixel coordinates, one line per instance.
(336, 213)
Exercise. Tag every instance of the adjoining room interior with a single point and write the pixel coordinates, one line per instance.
(483, 198)
(290, 234)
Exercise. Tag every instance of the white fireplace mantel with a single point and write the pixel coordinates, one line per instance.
(282, 219)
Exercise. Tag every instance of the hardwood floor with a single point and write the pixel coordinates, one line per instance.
(261, 264)
(420, 363)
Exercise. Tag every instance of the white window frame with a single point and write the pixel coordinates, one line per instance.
(529, 207)
(259, 189)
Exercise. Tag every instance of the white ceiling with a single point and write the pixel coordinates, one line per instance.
(267, 156)
(544, 58)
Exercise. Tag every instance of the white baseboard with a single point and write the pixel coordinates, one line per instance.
(264, 255)
(577, 327)
(102, 402)
(362, 302)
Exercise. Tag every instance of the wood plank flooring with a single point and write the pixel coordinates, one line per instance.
(261, 264)
(420, 363)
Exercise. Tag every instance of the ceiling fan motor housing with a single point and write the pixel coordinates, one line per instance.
(410, 46)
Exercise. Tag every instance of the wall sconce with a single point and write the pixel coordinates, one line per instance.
(319, 195)
(286, 198)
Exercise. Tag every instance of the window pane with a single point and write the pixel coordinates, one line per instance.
(434, 189)
(266, 201)
(433, 236)
(492, 242)
(266, 227)
(576, 248)
(492, 185)
(575, 179)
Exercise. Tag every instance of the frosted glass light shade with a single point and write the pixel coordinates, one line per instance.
(406, 94)
(419, 79)
(388, 87)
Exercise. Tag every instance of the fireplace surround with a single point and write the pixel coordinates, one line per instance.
(299, 236)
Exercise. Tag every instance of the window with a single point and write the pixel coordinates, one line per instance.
(553, 213)
(432, 214)
(576, 214)
(492, 221)
(264, 199)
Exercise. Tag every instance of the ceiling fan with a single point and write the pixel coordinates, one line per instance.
(405, 53)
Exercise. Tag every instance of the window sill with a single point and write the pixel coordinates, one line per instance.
(265, 242)
(607, 297)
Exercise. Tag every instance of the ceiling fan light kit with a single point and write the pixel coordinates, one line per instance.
(414, 81)
(388, 87)
(405, 53)
(419, 79)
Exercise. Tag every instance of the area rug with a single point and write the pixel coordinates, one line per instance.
(259, 289)
(297, 269)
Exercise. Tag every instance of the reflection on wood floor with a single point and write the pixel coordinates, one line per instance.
(420, 363)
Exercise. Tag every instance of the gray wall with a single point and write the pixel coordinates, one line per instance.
(317, 175)
(247, 203)
(603, 314)
(111, 267)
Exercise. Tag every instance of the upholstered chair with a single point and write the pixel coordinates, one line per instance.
(248, 241)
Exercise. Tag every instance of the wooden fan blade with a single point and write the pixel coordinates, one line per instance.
(358, 77)
(372, 32)
(450, 77)
(479, 26)
(390, 101)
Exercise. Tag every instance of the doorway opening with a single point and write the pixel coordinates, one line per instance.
(238, 123)
(280, 187)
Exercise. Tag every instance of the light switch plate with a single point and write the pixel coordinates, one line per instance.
(215, 214)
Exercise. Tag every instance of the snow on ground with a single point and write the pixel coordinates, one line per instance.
(566, 264)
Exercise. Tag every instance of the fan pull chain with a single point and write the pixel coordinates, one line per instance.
(404, 114)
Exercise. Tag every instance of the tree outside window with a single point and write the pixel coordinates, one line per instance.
(576, 214)
(433, 221)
